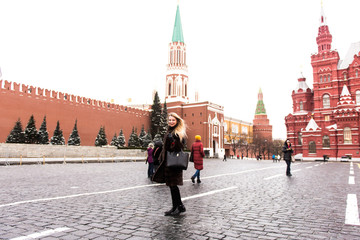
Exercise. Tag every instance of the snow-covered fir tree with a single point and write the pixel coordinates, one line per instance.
(57, 138)
(133, 139)
(164, 121)
(146, 140)
(43, 133)
(74, 138)
(31, 134)
(155, 115)
(157, 138)
(142, 136)
(101, 139)
(114, 141)
(16, 135)
(121, 139)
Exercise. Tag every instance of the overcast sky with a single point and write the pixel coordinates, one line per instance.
(118, 49)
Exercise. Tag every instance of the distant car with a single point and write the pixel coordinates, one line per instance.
(345, 158)
(298, 157)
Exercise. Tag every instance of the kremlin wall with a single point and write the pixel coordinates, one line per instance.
(22, 101)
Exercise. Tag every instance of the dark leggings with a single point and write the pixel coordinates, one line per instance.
(288, 163)
(175, 196)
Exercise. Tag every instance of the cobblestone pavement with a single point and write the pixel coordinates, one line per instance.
(237, 199)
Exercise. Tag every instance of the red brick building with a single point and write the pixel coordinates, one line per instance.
(325, 120)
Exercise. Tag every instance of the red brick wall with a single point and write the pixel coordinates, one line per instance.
(17, 102)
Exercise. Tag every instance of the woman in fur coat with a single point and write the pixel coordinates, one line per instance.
(174, 141)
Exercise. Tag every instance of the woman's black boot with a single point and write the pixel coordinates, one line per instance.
(168, 213)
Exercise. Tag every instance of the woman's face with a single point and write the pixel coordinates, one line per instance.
(288, 142)
(172, 121)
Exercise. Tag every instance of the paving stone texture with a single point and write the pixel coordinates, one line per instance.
(246, 199)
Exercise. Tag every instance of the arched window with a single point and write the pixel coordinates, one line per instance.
(358, 97)
(301, 106)
(169, 90)
(185, 90)
(215, 130)
(329, 78)
(356, 73)
(312, 147)
(326, 101)
(300, 138)
(320, 79)
(344, 76)
(347, 135)
(326, 141)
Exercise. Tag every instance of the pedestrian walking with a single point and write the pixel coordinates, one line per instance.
(156, 154)
(224, 159)
(197, 150)
(273, 158)
(278, 157)
(174, 141)
(150, 160)
(287, 150)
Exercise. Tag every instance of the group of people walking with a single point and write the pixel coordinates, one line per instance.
(174, 141)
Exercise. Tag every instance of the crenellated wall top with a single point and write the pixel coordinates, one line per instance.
(23, 89)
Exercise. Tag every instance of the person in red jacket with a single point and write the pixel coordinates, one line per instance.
(197, 150)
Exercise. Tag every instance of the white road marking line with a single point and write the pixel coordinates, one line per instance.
(41, 234)
(351, 164)
(279, 175)
(79, 195)
(352, 172)
(275, 176)
(310, 167)
(245, 171)
(316, 165)
(208, 193)
(352, 211)
(351, 180)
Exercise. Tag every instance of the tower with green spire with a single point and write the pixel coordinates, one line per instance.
(177, 80)
(261, 125)
(260, 107)
(177, 33)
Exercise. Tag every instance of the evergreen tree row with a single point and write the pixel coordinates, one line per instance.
(142, 140)
(158, 128)
(32, 136)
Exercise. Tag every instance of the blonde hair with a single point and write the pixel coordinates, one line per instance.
(151, 145)
(180, 128)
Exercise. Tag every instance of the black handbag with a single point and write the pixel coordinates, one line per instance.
(177, 160)
(191, 157)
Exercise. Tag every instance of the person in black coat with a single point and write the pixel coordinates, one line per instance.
(287, 150)
(156, 153)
